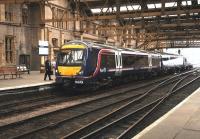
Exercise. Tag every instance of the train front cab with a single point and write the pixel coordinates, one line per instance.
(70, 62)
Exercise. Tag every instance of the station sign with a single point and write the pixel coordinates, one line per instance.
(43, 47)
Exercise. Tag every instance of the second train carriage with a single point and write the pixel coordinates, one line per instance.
(86, 63)
(174, 63)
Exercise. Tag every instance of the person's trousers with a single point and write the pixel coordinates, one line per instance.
(45, 75)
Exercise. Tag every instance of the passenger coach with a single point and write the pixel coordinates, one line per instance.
(86, 63)
(174, 63)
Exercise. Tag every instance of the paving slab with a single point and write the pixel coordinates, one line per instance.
(194, 122)
(35, 78)
(182, 122)
(188, 134)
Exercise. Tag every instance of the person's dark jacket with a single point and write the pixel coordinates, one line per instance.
(47, 66)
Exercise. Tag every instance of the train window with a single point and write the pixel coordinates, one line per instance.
(103, 61)
(128, 60)
(155, 61)
(165, 58)
(135, 61)
(168, 58)
(71, 57)
(141, 61)
(111, 61)
(107, 61)
(172, 58)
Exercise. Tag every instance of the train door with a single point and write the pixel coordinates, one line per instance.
(118, 63)
(150, 60)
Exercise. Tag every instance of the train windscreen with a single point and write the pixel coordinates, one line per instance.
(71, 57)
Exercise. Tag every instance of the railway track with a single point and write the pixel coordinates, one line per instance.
(121, 126)
(108, 96)
(14, 107)
(29, 105)
(116, 124)
(57, 123)
(127, 133)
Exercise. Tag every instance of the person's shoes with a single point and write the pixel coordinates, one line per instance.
(50, 79)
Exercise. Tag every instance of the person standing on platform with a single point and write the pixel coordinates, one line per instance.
(47, 69)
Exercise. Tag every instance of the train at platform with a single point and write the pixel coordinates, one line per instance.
(174, 63)
(81, 63)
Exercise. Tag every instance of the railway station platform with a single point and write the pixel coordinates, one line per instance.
(35, 78)
(182, 122)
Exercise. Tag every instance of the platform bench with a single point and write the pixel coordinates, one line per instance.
(23, 68)
(9, 72)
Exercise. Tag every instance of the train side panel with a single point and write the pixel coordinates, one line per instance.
(95, 64)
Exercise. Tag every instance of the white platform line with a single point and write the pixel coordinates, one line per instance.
(143, 132)
(25, 86)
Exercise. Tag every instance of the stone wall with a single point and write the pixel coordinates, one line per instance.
(1, 53)
(26, 36)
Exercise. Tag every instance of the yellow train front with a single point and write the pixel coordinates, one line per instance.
(75, 65)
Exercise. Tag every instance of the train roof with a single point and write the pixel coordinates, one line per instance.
(170, 54)
(100, 46)
(91, 44)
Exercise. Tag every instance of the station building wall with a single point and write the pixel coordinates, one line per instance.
(24, 24)
(18, 39)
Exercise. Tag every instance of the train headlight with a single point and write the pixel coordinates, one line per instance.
(80, 73)
(56, 71)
